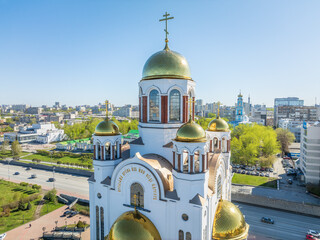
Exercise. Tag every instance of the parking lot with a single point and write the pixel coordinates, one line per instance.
(253, 170)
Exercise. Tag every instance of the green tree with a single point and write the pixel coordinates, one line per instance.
(285, 138)
(16, 149)
(29, 206)
(4, 146)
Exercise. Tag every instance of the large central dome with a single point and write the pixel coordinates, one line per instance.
(166, 64)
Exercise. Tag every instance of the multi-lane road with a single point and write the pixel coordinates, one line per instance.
(288, 226)
(64, 182)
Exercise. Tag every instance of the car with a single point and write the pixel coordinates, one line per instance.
(243, 172)
(51, 179)
(238, 171)
(286, 158)
(258, 168)
(267, 220)
(262, 169)
(248, 173)
(28, 168)
(73, 213)
(66, 213)
(2, 236)
(16, 173)
(314, 233)
(290, 181)
(234, 170)
(271, 169)
(310, 237)
(33, 176)
(257, 173)
(262, 174)
(267, 175)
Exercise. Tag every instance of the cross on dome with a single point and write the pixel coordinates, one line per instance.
(166, 19)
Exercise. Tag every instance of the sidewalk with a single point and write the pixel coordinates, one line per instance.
(24, 232)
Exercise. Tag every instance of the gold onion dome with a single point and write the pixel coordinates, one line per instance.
(133, 225)
(107, 128)
(229, 223)
(190, 132)
(166, 64)
(218, 125)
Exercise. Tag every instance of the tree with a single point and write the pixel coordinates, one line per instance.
(16, 149)
(4, 146)
(285, 138)
(29, 206)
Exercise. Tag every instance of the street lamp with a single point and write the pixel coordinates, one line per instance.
(8, 169)
(53, 176)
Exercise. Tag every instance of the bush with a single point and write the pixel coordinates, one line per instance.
(80, 224)
(51, 196)
(23, 184)
(84, 212)
(21, 205)
(29, 206)
(36, 187)
(43, 152)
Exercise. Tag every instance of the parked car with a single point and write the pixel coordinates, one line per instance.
(314, 233)
(267, 175)
(2, 236)
(262, 169)
(51, 179)
(234, 170)
(290, 181)
(16, 173)
(258, 168)
(33, 176)
(28, 168)
(66, 213)
(262, 174)
(238, 171)
(267, 220)
(73, 213)
(257, 173)
(271, 169)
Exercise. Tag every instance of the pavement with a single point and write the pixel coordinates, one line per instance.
(46, 223)
(287, 225)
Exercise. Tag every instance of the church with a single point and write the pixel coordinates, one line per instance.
(174, 181)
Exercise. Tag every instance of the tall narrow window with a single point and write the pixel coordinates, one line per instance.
(137, 190)
(108, 151)
(188, 236)
(154, 103)
(175, 106)
(99, 151)
(102, 222)
(97, 224)
(181, 235)
(219, 187)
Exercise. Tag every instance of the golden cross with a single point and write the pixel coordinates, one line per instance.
(166, 19)
(107, 103)
(190, 101)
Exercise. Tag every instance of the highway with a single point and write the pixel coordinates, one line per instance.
(65, 183)
(287, 226)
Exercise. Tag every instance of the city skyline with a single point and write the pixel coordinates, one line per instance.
(80, 53)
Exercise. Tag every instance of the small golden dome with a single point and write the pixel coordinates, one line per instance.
(229, 223)
(190, 132)
(133, 225)
(240, 95)
(106, 128)
(218, 125)
(166, 64)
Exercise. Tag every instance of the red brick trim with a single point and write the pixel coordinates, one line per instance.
(144, 108)
(164, 109)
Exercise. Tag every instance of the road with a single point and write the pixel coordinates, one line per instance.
(287, 225)
(67, 183)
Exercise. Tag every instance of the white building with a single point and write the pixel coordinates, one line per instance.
(310, 153)
(174, 182)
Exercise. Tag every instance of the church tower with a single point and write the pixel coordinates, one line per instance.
(239, 108)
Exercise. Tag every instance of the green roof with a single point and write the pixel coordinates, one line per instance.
(75, 141)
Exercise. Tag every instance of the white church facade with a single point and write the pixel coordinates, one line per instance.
(174, 182)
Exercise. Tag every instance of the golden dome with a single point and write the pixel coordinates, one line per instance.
(218, 125)
(191, 132)
(133, 225)
(166, 64)
(229, 223)
(106, 128)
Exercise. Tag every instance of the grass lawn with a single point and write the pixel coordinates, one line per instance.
(48, 164)
(49, 159)
(49, 207)
(8, 154)
(83, 209)
(254, 180)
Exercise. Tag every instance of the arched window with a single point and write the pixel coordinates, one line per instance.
(181, 235)
(136, 189)
(102, 222)
(108, 150)
(115, 151)
(185, 161)
(154, 103)
(215, 144)
(219, 187)
(98, 151)
(175, 105)
(188, 236)
(97, 223)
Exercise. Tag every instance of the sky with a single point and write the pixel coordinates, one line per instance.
(85, 51)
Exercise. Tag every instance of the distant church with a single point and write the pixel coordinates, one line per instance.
(174, 182)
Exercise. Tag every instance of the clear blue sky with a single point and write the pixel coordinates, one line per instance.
(83, 52)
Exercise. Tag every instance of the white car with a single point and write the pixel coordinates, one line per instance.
(311, 232)
(2, 236)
